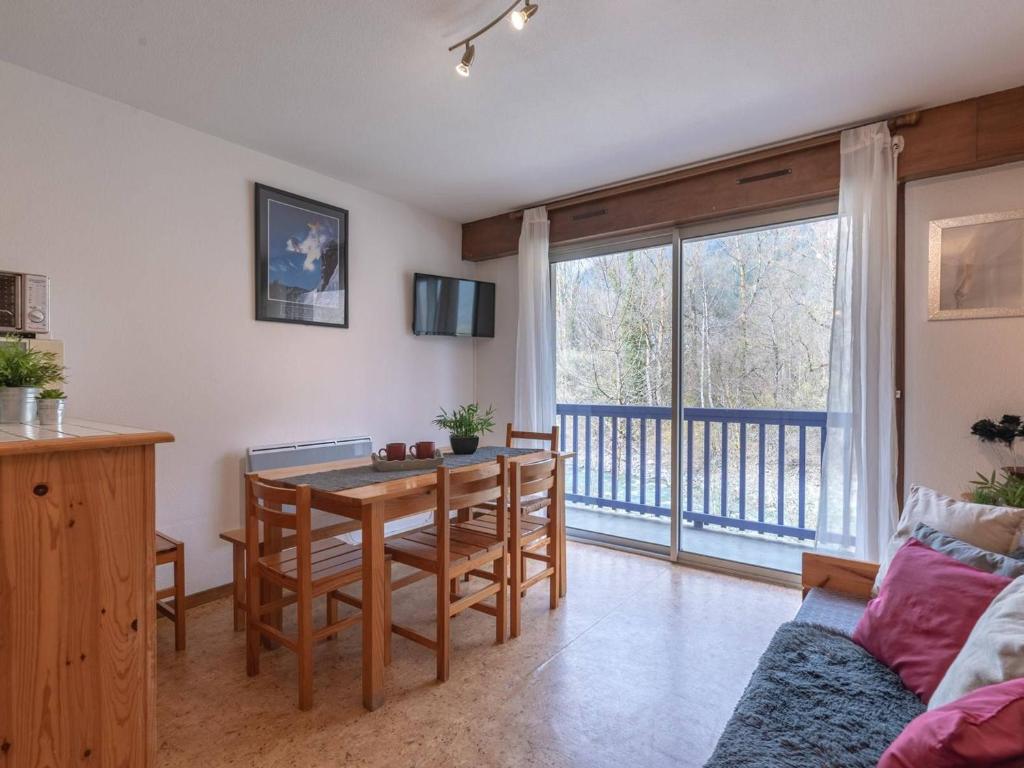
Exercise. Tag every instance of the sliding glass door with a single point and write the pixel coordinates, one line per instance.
(692, 374)
(614, 320)
(755, 315)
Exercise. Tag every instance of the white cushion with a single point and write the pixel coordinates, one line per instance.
(993, 528)
(994, 651)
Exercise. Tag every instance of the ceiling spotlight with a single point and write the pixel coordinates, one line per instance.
(521, 16)
(518, 16)
(467, 58)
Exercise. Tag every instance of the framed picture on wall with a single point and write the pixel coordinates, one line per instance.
(301, 259)
(976, 266)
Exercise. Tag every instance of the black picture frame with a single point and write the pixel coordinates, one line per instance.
(301, 273)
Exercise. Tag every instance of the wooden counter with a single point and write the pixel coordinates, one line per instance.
(77, 600)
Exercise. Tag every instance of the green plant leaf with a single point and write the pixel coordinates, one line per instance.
(465, 421)
(22, 367)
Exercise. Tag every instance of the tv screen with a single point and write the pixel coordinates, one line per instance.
(450, 306)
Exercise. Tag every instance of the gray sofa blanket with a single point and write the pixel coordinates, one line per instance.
(816, 700)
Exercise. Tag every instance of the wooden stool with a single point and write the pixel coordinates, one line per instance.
(170, 551)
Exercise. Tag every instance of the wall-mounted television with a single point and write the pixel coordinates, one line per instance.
(451, 306)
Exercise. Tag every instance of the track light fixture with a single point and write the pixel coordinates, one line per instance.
(516, 15)
(467, 59)
(521, 16)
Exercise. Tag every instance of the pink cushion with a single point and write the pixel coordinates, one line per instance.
(924, 612)
(984, 729)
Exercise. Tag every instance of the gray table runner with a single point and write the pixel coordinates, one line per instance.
(356, 477)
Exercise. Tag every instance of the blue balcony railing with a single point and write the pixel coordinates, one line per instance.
(749, 470)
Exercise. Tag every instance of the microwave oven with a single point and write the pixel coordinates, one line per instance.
(24, 303)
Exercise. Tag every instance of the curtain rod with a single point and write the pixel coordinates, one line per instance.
(762, 152)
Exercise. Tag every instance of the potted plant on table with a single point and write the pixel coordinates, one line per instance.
(465, 425)
(50, 404)
(23, 372)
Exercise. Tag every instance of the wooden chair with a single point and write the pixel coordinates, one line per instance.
(511, 435)
(532, 505)
(324, 526)
(450, 549)
(530, 536)
(307, 570)
(172, 552)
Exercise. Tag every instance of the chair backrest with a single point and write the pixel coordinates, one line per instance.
(511, 435)
(530, 478)
(264, 503)
(469, 487)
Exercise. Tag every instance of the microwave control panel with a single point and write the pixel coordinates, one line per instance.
(37, 304)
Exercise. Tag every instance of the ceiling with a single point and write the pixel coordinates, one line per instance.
(591, 92)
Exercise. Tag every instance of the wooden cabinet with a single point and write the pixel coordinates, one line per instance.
(77, 605)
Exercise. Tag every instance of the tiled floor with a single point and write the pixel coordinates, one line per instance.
(640, 666)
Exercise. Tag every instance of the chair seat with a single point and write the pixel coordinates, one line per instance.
(528, 504)
(531, 527)
(322, 524)
(334, 563)
(418, 548)
(164, 544)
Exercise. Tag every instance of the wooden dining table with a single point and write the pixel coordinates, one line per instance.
(368, 504)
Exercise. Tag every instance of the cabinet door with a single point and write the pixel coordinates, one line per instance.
(76, 608)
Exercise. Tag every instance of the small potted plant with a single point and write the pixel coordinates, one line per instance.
(51, 406)
(23, 372)
(465, 424)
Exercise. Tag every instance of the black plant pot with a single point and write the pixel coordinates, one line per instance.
(463, 446)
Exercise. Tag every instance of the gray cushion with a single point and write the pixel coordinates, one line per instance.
(816, 700)
(983, 560)
(1018, 555)
(831, 609)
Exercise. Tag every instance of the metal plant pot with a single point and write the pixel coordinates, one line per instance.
(464, 445)
(51, 410)
(18, 405)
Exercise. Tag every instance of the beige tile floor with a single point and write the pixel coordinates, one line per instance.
(640, 666)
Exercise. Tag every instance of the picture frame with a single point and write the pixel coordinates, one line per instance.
(976, 266)
(301, 259)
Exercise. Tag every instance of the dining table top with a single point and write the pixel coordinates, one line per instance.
(392, 487)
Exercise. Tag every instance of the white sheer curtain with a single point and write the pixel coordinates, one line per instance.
(535, 333)
(858, 507)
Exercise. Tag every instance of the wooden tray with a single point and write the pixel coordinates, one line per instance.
(405, 465)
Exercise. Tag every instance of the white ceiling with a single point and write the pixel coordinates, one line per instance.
(592, 92)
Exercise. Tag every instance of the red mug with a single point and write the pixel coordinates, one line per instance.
(423, 450)
(392, 452)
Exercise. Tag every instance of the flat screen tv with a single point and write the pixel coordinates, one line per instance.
(451, 306)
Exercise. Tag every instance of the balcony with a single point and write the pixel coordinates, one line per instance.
(749, 478)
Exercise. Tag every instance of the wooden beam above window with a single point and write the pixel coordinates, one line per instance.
(975, 133)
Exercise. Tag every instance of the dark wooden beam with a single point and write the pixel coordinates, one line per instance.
(975, 133)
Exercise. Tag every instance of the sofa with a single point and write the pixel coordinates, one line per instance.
(816, 698)
(930, 674)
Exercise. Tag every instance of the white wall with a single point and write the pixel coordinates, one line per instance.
(958, 371)
(145, 228)
(496, 358)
